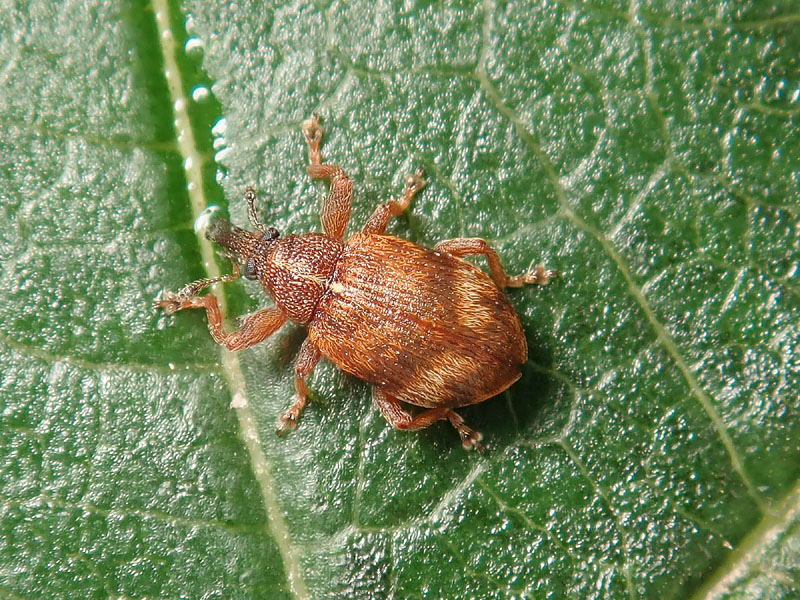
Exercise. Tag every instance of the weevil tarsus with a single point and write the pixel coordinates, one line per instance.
(383, 214)
(312, 132)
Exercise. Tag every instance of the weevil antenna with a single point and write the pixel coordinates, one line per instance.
(250, 196)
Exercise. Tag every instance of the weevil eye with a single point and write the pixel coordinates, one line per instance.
(270, 234)
(250, 269)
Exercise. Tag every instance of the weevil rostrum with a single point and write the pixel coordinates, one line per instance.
(423, 326)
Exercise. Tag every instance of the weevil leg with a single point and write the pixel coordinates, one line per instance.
(172, 301)
(460, 247)
(336, 207)
(307, 359)
(399, 418)
(254, 328)
(380, 218)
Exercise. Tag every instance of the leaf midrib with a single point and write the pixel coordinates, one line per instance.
(193, 161)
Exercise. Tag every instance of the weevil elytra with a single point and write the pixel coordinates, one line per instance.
(423, 326)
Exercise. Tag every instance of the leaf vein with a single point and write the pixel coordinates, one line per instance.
(45, 500)
(626, 566)
(101, 367)
(661, 333)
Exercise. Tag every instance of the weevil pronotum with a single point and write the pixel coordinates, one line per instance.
(423, 326)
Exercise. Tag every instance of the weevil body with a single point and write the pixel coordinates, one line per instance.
(423, 326)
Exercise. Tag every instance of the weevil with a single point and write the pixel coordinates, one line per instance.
(423, 326)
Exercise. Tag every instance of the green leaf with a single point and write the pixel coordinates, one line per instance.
(647, 150)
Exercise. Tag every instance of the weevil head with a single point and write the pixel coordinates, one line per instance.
(251, 248)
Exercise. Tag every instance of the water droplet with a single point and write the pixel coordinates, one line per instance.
(219, 156)
(220, 127)
(194, 46)
(239, 400)
(200, 93)
(202, 221)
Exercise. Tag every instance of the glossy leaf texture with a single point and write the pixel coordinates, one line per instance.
(647, 150)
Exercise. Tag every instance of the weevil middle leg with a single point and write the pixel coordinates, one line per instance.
(460, 247)
(307, 359)
(336, 207)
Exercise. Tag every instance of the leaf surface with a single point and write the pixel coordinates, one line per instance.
(649, 151)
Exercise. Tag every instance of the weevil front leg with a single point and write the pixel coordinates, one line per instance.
(380, 218)
(399, 418)
(336, 207)
(307, 359)
(254, 328)
(460, 247)
(174, 301)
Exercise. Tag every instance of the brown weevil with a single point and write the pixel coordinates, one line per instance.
(423, 326)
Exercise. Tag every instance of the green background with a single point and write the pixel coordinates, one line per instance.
(648, 150)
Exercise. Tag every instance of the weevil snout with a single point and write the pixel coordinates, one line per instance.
(247, 246)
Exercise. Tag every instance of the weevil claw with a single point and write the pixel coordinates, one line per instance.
(471, 440)
(415, 181)
(286, 423)
(169, 301)
(312, 130)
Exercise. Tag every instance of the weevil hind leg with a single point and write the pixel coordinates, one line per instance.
(399, 418)
(336, 206)
(461, 247)
(307, 359)
(380, 218)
